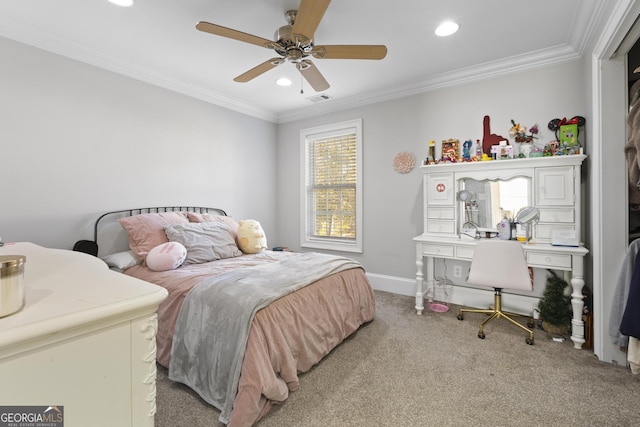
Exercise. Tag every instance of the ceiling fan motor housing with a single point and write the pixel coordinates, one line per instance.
(293, 47)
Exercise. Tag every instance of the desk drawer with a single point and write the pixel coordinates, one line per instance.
(439, 226)
(437, 250)
(549, 260)
(465, 252)
(441, 213)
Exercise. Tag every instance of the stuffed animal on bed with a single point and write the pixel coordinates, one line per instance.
(251, 238)
(166, 256)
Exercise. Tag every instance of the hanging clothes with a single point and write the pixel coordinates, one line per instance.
(632, 147)
(624, 323)
(621, 292)
(625, 307)
(630, 322)
(633, 355)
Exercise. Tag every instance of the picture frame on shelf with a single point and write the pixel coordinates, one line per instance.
(450, 150)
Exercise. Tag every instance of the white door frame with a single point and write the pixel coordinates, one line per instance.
(607, 170)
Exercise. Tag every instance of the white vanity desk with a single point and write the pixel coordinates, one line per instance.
(552, 184)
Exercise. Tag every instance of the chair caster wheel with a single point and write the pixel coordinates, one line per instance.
(481, 335)
(529, 341)
(460, 317)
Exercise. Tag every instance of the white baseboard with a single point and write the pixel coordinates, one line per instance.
(462, 295)
(395, 285)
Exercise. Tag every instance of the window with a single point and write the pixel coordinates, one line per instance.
(331, 187)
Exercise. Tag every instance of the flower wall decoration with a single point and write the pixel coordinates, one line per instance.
(404, 162)
(519, 132)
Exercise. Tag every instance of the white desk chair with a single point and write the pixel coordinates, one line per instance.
(499, 264)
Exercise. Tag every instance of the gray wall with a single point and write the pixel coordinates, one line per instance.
(77, 141)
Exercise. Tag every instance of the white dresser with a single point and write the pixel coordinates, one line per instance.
(85, 340)
(552, 184)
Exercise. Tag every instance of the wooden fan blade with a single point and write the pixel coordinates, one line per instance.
(349, 52)
(312, 75)
(259, 69)
(309, 14)
(207, 27)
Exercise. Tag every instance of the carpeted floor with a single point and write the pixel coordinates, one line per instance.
(432, 370)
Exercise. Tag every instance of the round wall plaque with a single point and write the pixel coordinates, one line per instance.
(404, 162)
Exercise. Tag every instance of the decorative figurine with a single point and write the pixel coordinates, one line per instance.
(466, 150)
(489, 139)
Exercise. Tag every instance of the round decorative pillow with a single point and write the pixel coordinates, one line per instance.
(167, 256)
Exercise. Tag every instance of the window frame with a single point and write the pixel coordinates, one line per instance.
(330, 243)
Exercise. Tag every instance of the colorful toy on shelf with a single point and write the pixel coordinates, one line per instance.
(567, 132)
(490, 139)
(450, 150)
(466, 150)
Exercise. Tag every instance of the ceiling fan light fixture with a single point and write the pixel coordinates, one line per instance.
(283, 81)
(447, 28)
(122, 3)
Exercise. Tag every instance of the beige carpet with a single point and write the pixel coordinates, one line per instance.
(432, 370)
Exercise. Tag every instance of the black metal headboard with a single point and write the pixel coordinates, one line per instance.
(110, 218)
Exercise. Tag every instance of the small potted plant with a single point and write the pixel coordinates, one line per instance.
(519, 132)
(555, 306)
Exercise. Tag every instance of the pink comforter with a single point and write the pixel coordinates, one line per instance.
(286, 338)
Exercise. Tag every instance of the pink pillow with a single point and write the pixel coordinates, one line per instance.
(146, 231)
(167, 256)
(206, 217)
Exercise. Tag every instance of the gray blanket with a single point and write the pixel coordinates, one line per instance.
(213, 326)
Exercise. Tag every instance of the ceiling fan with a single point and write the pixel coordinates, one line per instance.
(294, 43)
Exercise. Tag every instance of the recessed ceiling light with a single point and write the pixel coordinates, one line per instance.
(447, 28)
(123, 3)
(283, 81)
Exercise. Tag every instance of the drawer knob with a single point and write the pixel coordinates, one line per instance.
(547, 259)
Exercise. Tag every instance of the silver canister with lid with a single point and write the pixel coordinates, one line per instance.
(11, 283)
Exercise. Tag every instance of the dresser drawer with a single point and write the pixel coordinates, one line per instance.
(437, 250)
(543, 231)
(441, 213)
(557, 215)
(440, 226)
(549, 259)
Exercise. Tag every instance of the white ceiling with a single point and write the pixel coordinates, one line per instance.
(156, 41)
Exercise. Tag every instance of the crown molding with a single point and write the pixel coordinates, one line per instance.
(582, 28)
(517, 63)
(29, 35)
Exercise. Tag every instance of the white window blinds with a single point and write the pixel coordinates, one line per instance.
(332, 186)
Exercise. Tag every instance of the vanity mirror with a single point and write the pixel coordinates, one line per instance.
(551, 184)
(494, 199)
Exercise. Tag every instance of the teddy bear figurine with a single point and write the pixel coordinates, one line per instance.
(251, 238)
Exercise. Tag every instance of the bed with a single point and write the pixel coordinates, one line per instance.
(236, 328)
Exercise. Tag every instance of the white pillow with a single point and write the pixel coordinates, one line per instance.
(121, 260)
(167, 256)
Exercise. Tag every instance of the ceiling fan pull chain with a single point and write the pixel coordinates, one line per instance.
(301, 82)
